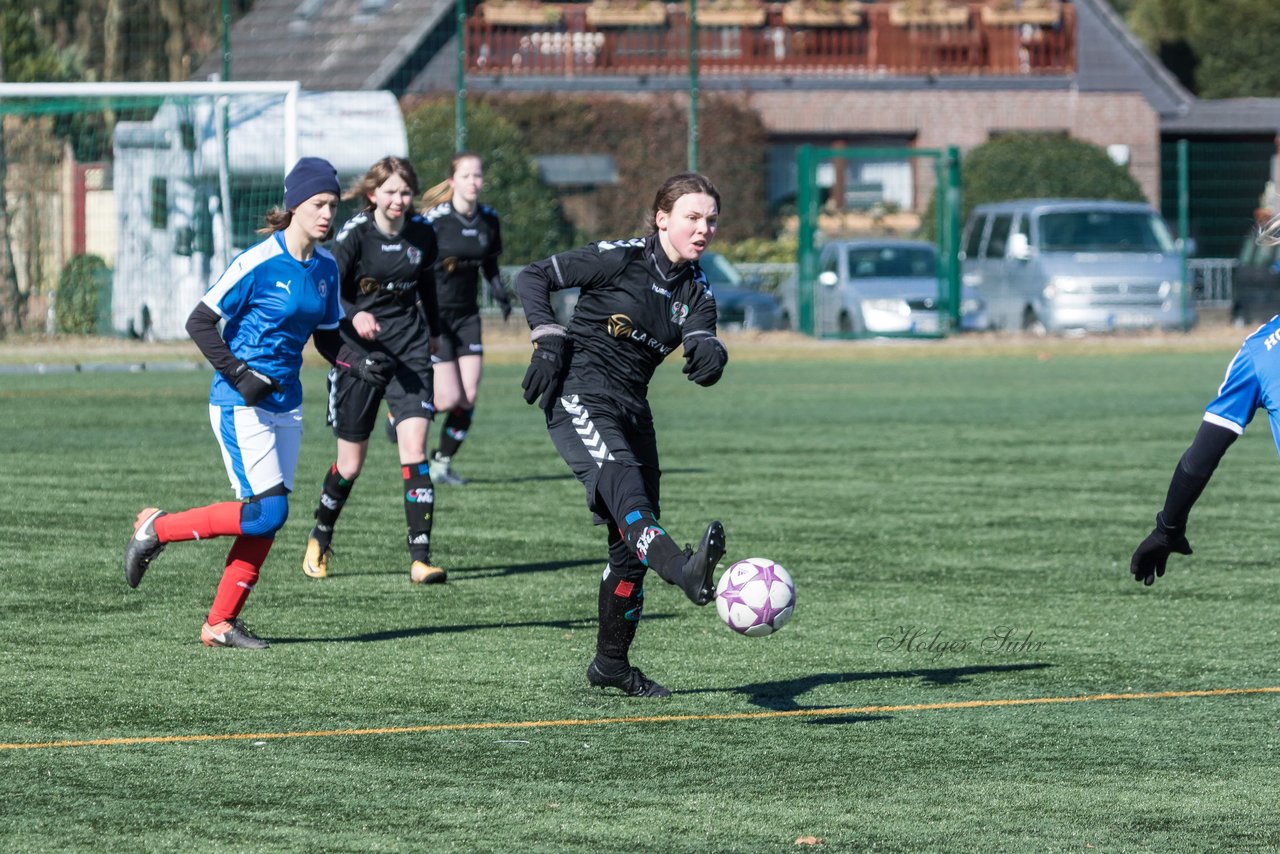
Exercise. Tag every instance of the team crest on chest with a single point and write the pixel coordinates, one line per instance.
(415, 255)
(679, 313)
(323, 287)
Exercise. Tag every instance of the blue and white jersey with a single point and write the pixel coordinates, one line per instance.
(271, 303)
(1252, 383)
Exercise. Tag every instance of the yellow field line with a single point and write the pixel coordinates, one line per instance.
(648, 719)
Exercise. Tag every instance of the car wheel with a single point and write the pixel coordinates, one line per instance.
(1032, 323)
(846, 323)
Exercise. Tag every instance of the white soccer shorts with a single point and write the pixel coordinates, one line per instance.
(259, 448)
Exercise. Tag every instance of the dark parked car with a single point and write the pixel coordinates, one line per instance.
(740, 304)
(1255, 285)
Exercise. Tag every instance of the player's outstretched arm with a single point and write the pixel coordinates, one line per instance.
(1189, 479)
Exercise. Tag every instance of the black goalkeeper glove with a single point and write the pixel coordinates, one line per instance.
(375, 368)
(254, 386)
(546, 370)
(501, 297)
(1152, 554)
(704, 359)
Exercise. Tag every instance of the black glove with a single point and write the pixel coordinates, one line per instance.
(375, 368)
(501, 297)
(254, 386)
(545, 372)
(1153, 553)
(704, 359)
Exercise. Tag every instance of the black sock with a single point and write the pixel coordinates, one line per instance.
(621, 604)
(419, 506)
(653, 545)
(454, 431)
(333, 494)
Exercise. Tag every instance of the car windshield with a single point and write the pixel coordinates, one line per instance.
(1104, 231)
(891, 262)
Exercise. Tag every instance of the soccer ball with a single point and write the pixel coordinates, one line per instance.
(755, 597)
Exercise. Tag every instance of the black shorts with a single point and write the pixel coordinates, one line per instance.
(353, 403)
(459, 337)
(589, 430)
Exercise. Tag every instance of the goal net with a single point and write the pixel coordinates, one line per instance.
(164, 183)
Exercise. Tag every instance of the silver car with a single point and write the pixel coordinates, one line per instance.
(883, 287)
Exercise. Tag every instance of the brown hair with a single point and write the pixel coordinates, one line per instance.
(675, 187)
(377, 175)
(276, 219)
(443, 192)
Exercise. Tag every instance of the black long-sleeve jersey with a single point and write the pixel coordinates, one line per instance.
(401, 266)
(469, 246)
(634, 308)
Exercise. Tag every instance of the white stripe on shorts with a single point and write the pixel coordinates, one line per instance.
(259, 448)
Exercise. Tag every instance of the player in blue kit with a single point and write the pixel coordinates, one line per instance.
(1252, 383)
(272, 298)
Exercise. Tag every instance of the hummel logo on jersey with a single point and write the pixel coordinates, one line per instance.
(606, 245)
(285, 286)
(657, 290)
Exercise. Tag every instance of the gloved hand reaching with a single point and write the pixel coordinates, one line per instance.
(253, 385)
(376, 368)
(704, 359)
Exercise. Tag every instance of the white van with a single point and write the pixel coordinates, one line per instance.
(1075, 264)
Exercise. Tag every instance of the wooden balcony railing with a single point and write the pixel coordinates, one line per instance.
(878, 39)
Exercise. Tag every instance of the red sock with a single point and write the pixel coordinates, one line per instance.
(243, 563)
(200, 523)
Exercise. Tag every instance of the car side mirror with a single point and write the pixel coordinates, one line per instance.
(829, 278)
(1019, 247)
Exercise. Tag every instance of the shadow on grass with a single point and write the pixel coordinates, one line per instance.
(783, 695)
(566, 475)
(423, 631)
(473, 573)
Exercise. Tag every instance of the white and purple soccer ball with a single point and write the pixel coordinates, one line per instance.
(755, 597)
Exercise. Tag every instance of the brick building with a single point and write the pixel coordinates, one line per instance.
(882, 73)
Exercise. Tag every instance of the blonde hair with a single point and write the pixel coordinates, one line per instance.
(377, 175)
(443, 191)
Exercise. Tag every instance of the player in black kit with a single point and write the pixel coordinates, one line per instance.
(470, 240)
(640, 299)
(385, 255)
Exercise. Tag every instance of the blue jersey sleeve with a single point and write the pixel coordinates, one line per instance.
(1239, 396)
(333, 312)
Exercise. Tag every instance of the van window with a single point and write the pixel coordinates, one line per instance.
(1104, 231)
(973, 239)
(999, 235)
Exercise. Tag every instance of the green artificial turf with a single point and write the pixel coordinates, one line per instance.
(958, 523)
